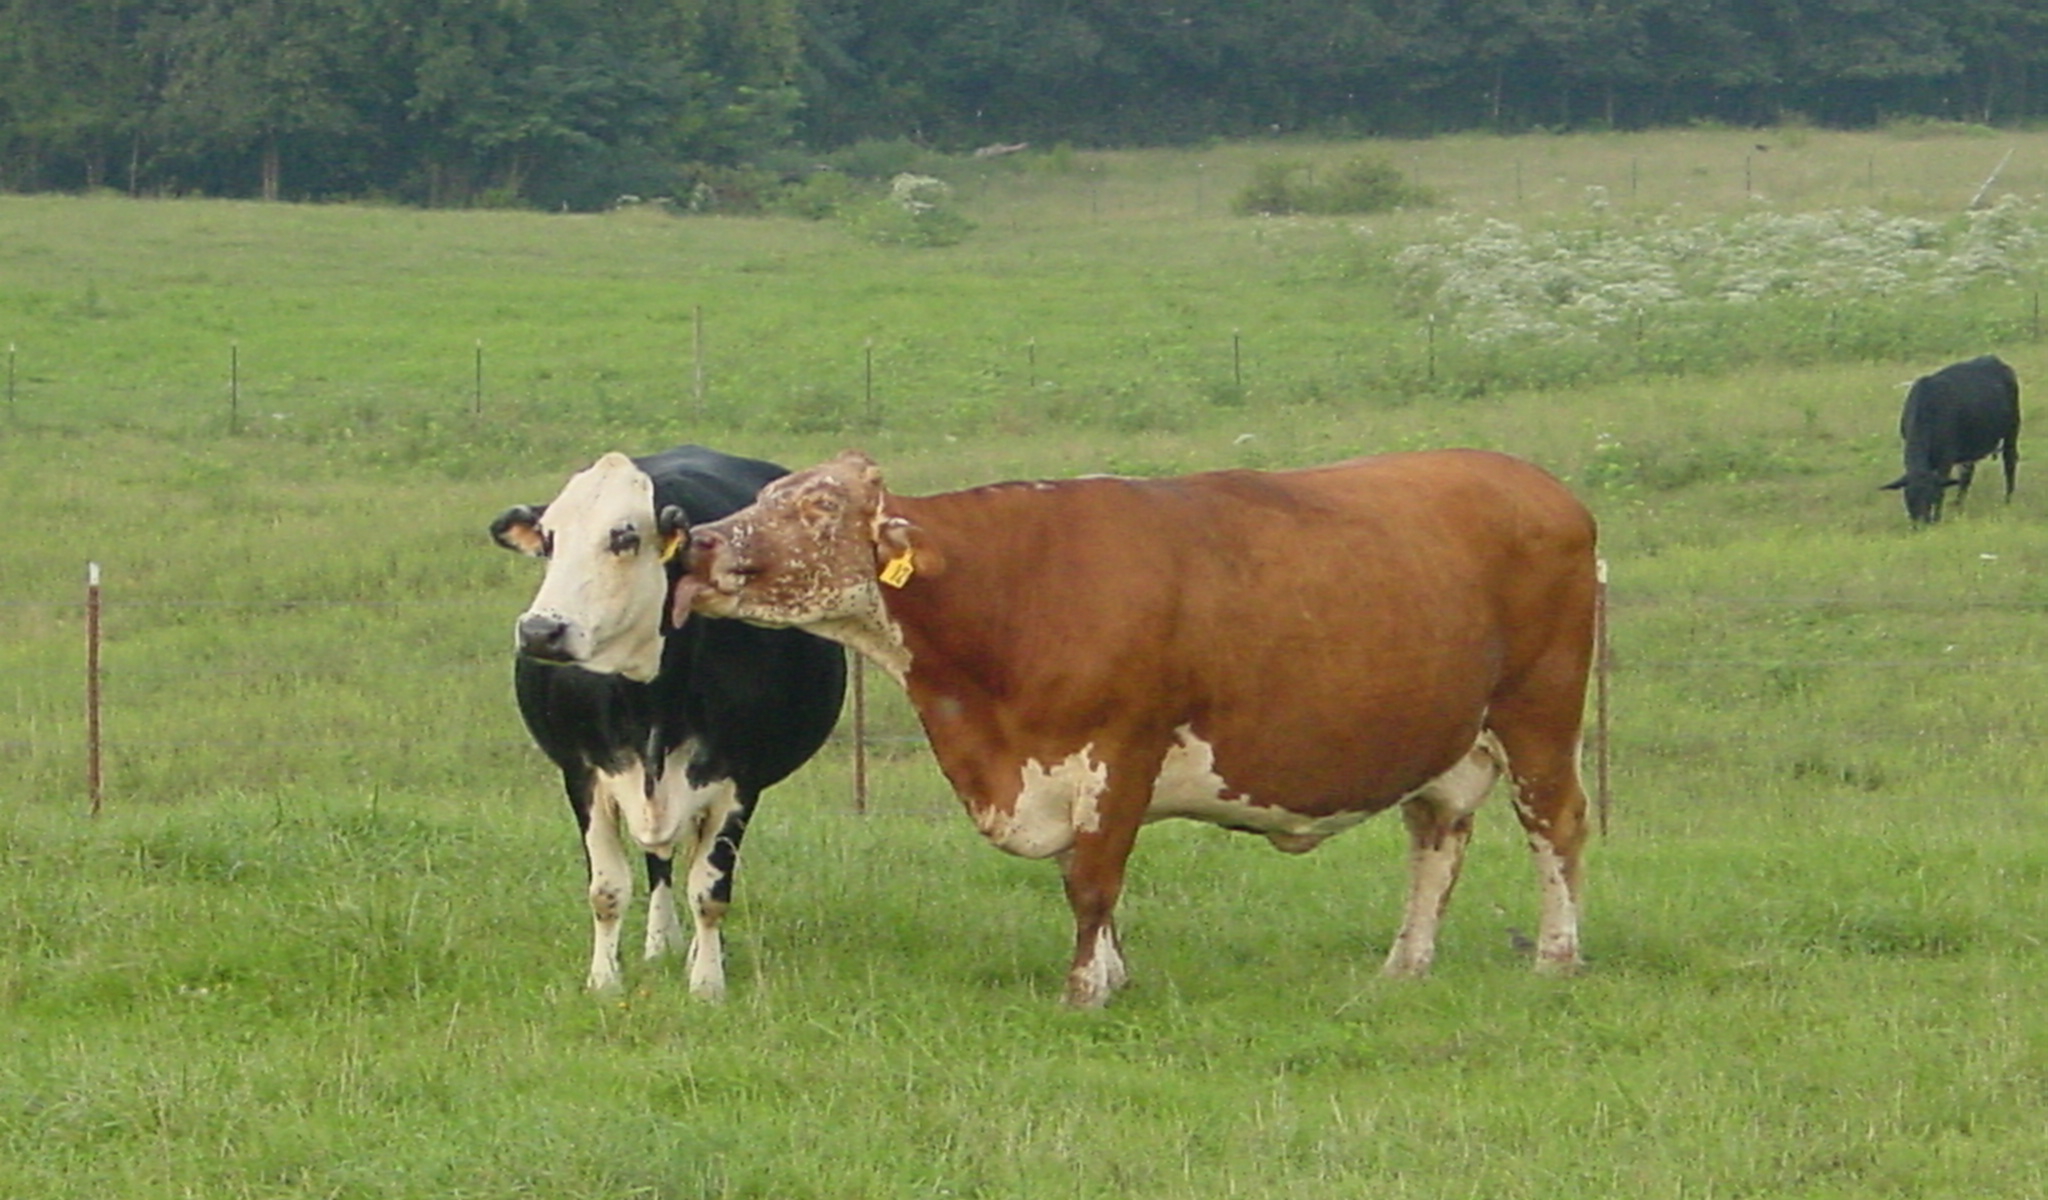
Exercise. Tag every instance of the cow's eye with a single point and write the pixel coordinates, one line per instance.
(625, 541)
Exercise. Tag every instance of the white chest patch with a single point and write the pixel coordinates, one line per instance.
(1053, 804)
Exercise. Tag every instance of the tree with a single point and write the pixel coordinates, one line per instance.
(73, 86)
(2004, 45)
(245, 77)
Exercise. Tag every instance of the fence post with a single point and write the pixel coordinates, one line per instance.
(697, 355)
(860, 735)
(868, 384)
(92, 685)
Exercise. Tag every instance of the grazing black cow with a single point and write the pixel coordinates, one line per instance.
(665, 734)
(1959, 414)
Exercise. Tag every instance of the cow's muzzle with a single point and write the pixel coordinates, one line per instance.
(545, 638)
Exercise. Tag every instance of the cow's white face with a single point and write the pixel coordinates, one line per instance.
(600, 606)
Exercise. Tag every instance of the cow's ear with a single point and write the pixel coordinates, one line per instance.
(902, 551)
(518, 529)
(1893, 486)
(672, 527)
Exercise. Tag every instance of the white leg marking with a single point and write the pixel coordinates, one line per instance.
(706, 962)
(664, 931)
(611, 880)
(1557, 928)
(1438, 833)
(1433, 865)
(1093, 982)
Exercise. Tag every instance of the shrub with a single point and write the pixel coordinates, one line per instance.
(732, 191)
(1366, 185)
(818, 197)
(1272, 190)
(1362, 185)
(918, 212)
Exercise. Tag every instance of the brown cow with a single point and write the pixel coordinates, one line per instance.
(1283, 653)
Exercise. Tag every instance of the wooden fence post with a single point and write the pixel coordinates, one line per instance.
(860, 735)
(92, 685)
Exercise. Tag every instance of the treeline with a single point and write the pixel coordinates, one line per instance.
(569, 103)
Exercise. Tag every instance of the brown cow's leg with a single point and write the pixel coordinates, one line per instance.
(1552, 808)
(1094, 869)
(1095, 879)
(1538, 723)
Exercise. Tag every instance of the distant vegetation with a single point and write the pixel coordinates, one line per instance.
(559, 104)
(1360, 185)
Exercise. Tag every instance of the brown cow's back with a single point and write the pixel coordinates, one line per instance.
(1282, 616)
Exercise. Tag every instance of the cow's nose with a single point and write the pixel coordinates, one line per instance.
(544, 637)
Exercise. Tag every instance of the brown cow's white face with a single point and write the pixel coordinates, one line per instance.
(809, 552)
(600, 606)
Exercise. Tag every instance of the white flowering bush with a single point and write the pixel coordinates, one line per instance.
(918, 211)
(1499, 282)
(918, 193)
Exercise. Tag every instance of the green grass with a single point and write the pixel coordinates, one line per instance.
(352, 997)
(327, 937)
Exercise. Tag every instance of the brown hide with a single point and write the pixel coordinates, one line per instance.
(1305, 646)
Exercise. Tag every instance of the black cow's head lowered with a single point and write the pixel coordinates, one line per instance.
(1924, 491)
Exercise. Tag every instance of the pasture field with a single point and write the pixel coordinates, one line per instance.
(326, 938)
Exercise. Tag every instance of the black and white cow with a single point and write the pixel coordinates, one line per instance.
(665, 735)
(1959, 414)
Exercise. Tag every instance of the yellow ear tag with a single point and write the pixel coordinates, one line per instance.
(675, 543)
(898, 570)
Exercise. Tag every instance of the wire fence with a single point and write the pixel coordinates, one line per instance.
(108, 681)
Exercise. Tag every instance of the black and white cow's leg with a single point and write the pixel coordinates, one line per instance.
(1439, 819)
(611, 877)
(713, 862)
(664, 931)
(690, 829)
